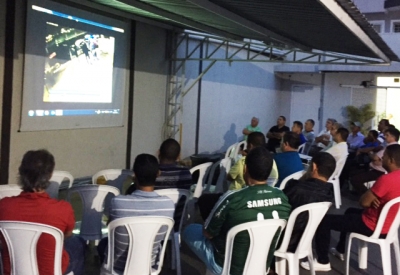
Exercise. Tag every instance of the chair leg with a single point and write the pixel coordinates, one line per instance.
(348, 255)
(294, 267)
(397, 254)
(280, 265)
(311, 263)
(173, 252)
(336, 191)
(386, 260)
(362, 254)
(177, 254)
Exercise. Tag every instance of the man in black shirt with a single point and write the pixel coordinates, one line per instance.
(276, 133)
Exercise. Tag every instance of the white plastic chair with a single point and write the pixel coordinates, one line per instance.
(261, 236)
(273, 176)
(335, 181)
(60, 176)
(22, 239)
(369, 184)
(108, 174)
(384, 243)
(224, 166)
(295, 176)
(9, 190)
(301, 147)
(199, 186)
(237, 149)
(316, 211)
(175, 195)
(92, 197)
(229, 152)
(142, 232)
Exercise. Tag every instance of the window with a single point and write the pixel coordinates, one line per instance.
(395, 28)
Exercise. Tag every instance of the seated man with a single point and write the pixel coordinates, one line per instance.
(275, 134)
(323, 139)
(339, 150)
(252, 127)
(308, 134)
(312, 187)
(234, 208)
(288, 162)
(375, 166)
(355, 140)
(362, 221)
(35, 205)
(298, 128)
(142, 202)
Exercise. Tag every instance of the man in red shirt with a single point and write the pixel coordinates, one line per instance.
(35, 205)
(362, 221)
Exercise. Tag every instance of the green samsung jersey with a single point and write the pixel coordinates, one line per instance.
(241, 206)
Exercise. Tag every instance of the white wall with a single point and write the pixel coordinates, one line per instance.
(2, 41)
(366, 6)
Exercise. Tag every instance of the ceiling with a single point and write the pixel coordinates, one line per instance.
(324, 25)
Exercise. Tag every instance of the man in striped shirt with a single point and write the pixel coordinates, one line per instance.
(142, 202)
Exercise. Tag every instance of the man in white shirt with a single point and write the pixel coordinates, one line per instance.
(339, 150)
(375, 167)
(323, 138)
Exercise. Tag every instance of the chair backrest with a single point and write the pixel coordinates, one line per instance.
(9, 190)
(316, 211)
(230, 151)
(224, 168)
(295, 176)
(274, 175)
(108, 174)
(175, 195)
(261, 236)
(22, 238)
(339, 167)
(237, 148)
(142, 232)
(210, 176)
(92, 197)
(203, 169)
(382, 218)
(60, 176)
(301, 148)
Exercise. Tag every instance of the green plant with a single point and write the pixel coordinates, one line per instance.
(361, 114)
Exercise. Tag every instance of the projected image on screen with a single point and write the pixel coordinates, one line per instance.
(79, 65)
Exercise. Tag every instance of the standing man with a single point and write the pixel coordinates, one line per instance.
(362, 221)
(253, 127)
(249, 204)
(35, 205)
(275, 134)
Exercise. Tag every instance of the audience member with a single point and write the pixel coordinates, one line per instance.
(370, 143)
(362, 221)
(252, 127)
(208, 242)
(298, 129)
(313, 187)
(288, 162)
(375, 167)
(339, 150)
(35, 205)
(308, 134)
(382, 126)
(275, 134)
(323, 139)
(356, 138)
(142, 202)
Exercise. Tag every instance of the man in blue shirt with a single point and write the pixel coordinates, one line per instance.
(288, 162)
(298, 128)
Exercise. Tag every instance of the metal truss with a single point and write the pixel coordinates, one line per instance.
(185, 47)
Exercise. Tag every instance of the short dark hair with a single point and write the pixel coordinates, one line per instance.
(343, 132)
(391, 126)
(292, 139)
(394, 132)
(170, 150)
(374, 133)
(146, 169)
(393, 152)
(35, 170)
(325, 163)
(385, 122)
(256, 139)
(312, 121)
(259, 163)
(283, 117)
(299, 124)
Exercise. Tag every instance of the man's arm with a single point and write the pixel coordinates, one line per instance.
(67, 234)
(246, 131)
(369, 199)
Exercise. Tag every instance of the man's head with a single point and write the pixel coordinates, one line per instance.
(146, 169)
(335, 127)
(323, 165)
(258, 166)
(254, 121)
(35, 170)
(391, 158)
(255, 139)
(341, 135)
(309, 125)
(169, 151)
(355, 127)
(329, 123)
(383, 125)
(373, 135)
(281, 121)
(290, 142)
(297, 127)
(391, 135)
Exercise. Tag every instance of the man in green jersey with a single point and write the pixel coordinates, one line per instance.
(254, 202)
